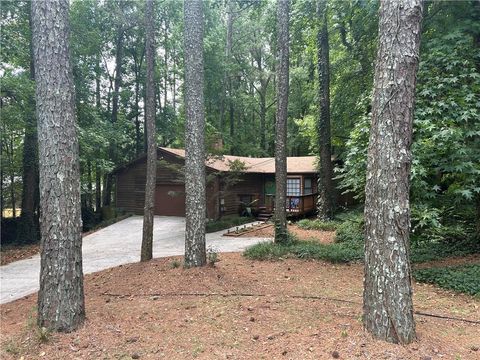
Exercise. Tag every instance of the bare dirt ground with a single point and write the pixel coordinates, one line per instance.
(325, 237)
(10, 253)
(239, 309)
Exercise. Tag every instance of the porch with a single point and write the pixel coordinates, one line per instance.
(295, 205)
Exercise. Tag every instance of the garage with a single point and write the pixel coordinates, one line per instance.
(170, 200)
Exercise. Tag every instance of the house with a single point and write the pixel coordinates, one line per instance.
(233, 183)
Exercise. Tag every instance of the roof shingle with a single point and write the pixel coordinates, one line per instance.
(297, 164)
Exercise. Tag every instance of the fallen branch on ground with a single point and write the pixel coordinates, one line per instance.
(307, 297)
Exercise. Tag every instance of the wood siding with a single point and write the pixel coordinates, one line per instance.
(130, 187)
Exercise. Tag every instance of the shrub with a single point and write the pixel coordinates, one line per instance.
(317, 224)
(351, 228)
(212, 256)
(350, 232)
(336, 253)
(462, 278)
(226, 222)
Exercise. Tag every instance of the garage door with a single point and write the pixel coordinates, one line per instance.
(170, 200)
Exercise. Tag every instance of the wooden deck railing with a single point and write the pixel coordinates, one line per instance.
(295, 205)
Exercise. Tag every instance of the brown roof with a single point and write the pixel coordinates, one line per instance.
(297, 164)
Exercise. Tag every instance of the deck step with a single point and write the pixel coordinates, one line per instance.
(264, 216)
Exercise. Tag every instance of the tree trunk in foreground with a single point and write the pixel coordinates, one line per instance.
(60, 298)
(281, 235)
(148, 212)
(387, 298)
(195, 252)
(325, 185)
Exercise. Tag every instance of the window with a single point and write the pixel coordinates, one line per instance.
(307, 187)
(293, 187)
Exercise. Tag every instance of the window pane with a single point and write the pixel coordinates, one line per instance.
(293, 187)
(308, 186)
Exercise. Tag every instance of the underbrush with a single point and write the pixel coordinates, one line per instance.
(349, 244)
(294, 248)
(317, 224)
(344, 252)
(227, 222)
(464, 278)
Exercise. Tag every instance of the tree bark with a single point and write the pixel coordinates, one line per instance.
(387, 298)
(477, 202)
(195, 251)
(148, 213)
(137, 67)
(89, 185)
(325, 185)
(98, 188)
(13, 197)
(60, 298)
(283, 37)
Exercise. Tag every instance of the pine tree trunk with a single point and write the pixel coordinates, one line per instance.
(325, 185)
(226, 76)
(478, 216)
(388, 308)
(148, 214)
(13, 198)
(195, 252)
(283, 39)
(138, 137)
(89, 185)
(98, 189)
(60, 298)
(165, 60)
(112, 149)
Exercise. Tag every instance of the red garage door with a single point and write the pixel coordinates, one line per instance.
(170, 200)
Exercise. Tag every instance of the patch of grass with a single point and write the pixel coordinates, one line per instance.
(316, 224)
(464, 278)
(175, 264)
(226, 222)
(335, 253)
(43, 335)
(12, 347)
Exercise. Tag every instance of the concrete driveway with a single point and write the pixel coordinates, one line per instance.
(115, 245)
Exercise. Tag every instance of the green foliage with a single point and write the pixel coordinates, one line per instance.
(335, 253)
(175, 264)
(462, 278)
(317, 224)
(349, 244)
(445, 169)
(226, 222)
(430, 251)
(350, 228)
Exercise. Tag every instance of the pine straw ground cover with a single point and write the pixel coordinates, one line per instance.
(239, 309)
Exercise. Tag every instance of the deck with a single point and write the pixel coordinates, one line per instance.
(295, 205)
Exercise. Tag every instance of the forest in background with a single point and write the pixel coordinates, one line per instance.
(108, 54)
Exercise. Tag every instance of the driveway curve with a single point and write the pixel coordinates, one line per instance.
(115, 245)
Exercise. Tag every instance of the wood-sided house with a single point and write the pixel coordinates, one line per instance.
(229, 186)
